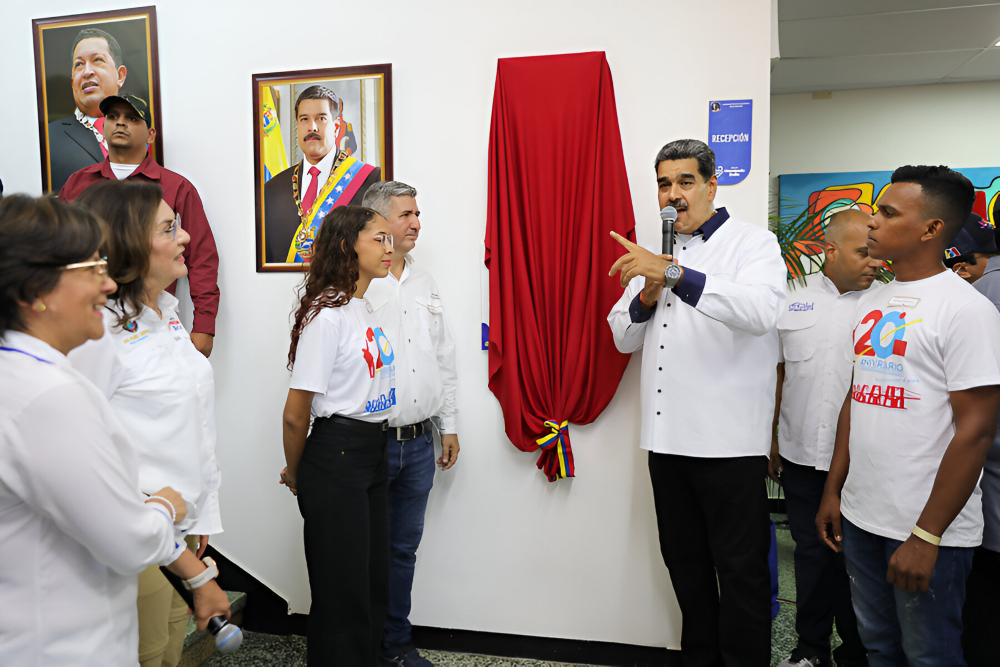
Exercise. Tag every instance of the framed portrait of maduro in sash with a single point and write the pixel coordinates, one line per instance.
(80, 60)
(321, 139)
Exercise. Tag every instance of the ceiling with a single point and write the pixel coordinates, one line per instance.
(846, 44)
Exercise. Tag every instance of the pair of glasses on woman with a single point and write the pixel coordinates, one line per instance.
(385, 240)
(174, 226)
(99, 267)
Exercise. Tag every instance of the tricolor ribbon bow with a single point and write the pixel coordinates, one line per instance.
(556, 460)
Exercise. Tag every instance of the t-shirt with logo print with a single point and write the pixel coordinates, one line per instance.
(914, 342)
(346, 359)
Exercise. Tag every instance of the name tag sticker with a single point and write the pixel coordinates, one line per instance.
(904, 301)
(175, 325)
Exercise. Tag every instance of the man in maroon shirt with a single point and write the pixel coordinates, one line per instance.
(127, 131)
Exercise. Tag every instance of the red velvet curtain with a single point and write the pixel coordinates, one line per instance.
(557, 187)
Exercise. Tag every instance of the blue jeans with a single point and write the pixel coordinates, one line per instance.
(411, 476)
(900, 628)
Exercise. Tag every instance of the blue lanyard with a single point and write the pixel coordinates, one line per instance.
(14, 349)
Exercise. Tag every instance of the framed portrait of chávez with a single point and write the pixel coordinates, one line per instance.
(321, 139)
(80, 60)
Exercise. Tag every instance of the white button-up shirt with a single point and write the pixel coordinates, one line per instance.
(815, 345)
(410, 311)
(74, 531)
(163, 390)
(710, 344)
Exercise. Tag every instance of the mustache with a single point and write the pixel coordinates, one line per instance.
(312, 135)
(679, 204)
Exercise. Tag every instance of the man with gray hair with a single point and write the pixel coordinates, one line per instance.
(705, 319)
(408, 306)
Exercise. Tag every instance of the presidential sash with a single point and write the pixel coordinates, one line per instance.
(343, 183)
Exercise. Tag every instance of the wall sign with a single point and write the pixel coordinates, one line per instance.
(729, 134)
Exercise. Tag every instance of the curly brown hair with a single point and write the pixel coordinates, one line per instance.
(333, 272)
(128, 208)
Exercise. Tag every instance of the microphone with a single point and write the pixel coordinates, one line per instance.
(669, 216)
(228, 637)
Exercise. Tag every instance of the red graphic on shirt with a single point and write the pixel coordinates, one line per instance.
(873, 343)
(374, 361)
(883, 396)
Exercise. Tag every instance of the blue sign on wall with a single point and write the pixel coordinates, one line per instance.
(729, 133)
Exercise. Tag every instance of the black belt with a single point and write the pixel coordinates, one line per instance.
(411, 431)
(357, 423)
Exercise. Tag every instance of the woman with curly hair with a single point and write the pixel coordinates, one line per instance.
(343, 375)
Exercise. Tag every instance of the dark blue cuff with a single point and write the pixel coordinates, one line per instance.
(690, 287)
(637, 313)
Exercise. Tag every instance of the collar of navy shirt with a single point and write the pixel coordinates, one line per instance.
(712, 225)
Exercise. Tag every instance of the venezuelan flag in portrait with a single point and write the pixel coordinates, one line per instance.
(272, 145)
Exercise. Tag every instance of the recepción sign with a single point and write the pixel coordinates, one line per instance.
(729, 135)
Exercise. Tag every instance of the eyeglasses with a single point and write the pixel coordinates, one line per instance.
(174, 226)
(99, 267)
(385, 240)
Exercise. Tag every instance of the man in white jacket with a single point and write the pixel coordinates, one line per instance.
(706, 318)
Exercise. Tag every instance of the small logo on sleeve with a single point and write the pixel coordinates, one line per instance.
(800, 306)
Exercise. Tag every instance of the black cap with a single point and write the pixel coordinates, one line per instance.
(133, 101)
(976, 235)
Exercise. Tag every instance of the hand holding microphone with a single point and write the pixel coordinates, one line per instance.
(658, 270)
(210, 605)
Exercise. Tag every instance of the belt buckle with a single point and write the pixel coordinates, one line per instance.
(385, 425)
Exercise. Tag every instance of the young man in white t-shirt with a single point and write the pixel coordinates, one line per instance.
(901, 497)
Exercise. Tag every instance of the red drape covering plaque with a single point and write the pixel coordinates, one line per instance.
(557, 187)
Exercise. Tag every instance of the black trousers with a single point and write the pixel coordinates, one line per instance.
(822, 588)
(715, 535)
(343, 497)
(981, 614)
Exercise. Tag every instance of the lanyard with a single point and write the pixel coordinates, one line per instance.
(14, 349)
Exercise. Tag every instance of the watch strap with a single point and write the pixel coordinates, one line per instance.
(211, 572)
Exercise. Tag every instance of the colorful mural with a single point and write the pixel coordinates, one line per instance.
(807, 201)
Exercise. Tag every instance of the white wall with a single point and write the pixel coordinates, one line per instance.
(884, 128)
(504, 550)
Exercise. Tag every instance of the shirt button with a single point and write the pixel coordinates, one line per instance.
(668, 305)
(661, 347)
(659, 391)
(414, 370)
(657, 413)
(661, 368)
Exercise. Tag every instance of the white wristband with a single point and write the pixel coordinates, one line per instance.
(211, 572)
(173, 510)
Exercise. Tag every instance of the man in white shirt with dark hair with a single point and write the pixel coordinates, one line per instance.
(814, 374)
(706, 322)
(408, 305)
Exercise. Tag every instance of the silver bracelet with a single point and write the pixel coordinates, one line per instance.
(173, 510)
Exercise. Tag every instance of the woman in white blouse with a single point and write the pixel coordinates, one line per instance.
(74, 528)
(343, 375)
(160, 386)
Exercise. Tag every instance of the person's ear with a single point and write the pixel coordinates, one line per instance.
(151, 137)
(713, 186)
(962, 269)
(933, 229)
(122, 72)
(830, 250)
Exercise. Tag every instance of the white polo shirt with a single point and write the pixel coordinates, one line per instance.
(163, 390)
(410, 312)
(345, 358)
(914, 342)
(814, 335)
(710, 347)
(74, 531)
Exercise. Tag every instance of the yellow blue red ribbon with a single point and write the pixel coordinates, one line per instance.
(556, 460)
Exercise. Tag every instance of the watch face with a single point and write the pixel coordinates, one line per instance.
(673, 272)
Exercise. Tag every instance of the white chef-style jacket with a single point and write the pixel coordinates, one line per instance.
(710, 347)
(74, 531)
(409, 310)
(814, 334)
(163, 390)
